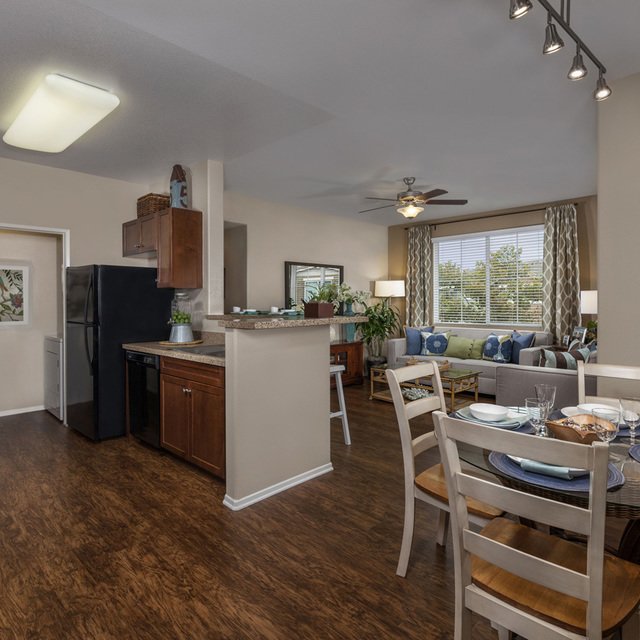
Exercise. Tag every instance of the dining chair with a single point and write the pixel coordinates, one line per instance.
(428, 486)
(615, 371)
(524, 580)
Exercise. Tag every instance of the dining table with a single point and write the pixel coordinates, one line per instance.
(623, 501)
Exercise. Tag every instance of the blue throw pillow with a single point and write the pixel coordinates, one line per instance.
(520, 341)
(414, 339)
(434, 344)
(495, 343)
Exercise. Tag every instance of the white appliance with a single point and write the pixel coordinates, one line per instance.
(53, 367)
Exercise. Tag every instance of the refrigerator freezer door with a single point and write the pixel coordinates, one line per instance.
(80, 295)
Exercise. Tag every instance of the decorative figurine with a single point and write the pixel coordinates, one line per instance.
(178, 187)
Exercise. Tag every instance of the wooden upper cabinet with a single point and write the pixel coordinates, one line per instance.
(140, 236)
(180, 248)
(175, 236)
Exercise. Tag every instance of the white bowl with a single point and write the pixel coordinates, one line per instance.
(488, 412)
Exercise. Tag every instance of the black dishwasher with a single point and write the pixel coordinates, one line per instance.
(143, 376)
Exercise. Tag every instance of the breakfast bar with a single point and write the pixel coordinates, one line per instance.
(277, 403)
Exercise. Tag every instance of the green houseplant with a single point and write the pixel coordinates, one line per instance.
(320, 304)
(384, 320)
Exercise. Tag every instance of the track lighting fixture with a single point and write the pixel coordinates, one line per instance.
(553, 42)
(602, 91)
(519, 8)
(578, 70)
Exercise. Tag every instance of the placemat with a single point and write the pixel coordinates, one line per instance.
(634, 452)
(510, 468)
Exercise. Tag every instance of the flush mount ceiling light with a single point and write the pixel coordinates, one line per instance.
(553, 42)
(59, 112)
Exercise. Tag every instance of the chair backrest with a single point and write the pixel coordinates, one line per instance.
(406, 411)
(587, 521)
(615, 371)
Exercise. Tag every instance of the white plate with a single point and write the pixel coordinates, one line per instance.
(589, 407)
(569, 411)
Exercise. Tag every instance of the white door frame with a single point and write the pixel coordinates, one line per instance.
(65, 234)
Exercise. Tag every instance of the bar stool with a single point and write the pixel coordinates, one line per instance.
(336, 370)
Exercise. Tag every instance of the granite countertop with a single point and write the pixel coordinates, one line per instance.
(157, 349)
(280, 322)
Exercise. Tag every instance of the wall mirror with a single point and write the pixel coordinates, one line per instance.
(302, 279)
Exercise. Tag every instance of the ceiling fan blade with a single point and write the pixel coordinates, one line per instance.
(384, 206)
(447, 202)
(434, 193)
(374, 198)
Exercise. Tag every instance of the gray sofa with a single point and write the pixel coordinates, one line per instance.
(396, 354)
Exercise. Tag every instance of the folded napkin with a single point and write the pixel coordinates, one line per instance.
(533, 466)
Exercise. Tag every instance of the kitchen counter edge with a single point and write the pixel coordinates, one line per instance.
(271, 322)
(157, 349)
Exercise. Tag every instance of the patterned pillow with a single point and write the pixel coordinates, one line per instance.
(563, 359)
(575, 344)
(414, 339)
(495, 343)
(434, 344)
(520, 341)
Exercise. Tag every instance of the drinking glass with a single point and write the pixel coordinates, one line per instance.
(613, 416)
(536, 411)
(546, 393)
(630, 413)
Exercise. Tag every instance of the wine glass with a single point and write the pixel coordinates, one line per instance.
(546, 393)
(630, 413)
(536, 410)
(612, 415)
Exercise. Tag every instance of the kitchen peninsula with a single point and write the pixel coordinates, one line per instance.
(277, 403)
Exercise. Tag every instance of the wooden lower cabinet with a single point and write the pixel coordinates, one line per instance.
(350, 355)
(192, 418)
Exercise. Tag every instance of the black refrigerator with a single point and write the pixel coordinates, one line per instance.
(106, 306)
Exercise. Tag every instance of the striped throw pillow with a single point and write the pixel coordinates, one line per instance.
(563, 359)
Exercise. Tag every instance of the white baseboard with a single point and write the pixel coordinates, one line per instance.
(13, 412)
(241, 503)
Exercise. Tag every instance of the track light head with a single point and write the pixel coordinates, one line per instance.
(578, 70)
(552, 41)
(602, 91)
(519, 8)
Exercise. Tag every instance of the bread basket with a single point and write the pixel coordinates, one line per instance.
(582, 428)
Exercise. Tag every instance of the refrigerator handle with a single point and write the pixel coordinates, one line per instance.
(86, 304)
(86, 347)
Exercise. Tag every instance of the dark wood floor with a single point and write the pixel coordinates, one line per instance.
(114, 540)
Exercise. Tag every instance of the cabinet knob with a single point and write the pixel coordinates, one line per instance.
(137, 246)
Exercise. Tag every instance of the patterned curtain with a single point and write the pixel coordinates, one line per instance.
(418, 282)
(561, 274)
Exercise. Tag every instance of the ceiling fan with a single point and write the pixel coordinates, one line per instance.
(410, 203)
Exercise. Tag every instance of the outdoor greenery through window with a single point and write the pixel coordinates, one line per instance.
(491, 278)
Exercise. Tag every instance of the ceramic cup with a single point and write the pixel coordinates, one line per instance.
(236, 309)
(274, 309)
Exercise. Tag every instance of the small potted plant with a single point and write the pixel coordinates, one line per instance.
(321, 303)
(383, 321)
(348, 297)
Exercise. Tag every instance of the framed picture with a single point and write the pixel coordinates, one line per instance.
(565, 340)
(14, 295)
(579, 333)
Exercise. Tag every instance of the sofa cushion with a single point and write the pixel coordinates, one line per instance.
(563, 359)
(459, 347)
(414, 339)
(495, 343)
(520, 341)
(477, 348)
(434, 344)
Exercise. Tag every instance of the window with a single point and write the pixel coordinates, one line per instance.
(490, 278)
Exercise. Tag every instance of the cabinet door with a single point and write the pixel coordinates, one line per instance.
(148, 233)
(130, 238)
(175, 414)
(207, 428)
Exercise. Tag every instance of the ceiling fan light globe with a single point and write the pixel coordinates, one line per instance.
(410, 210)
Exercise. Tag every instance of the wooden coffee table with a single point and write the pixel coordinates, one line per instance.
(453, 381)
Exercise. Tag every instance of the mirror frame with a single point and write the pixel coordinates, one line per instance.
(287, 279)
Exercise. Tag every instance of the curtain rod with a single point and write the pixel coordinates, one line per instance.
(495, 215)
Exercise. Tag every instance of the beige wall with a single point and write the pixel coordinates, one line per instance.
(276, 233)
(22, 347)
(92, 208)
(619, 228)
(494, 220)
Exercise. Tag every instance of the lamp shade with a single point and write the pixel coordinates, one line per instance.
(588, 302)
(389, 289)
(58, 113)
